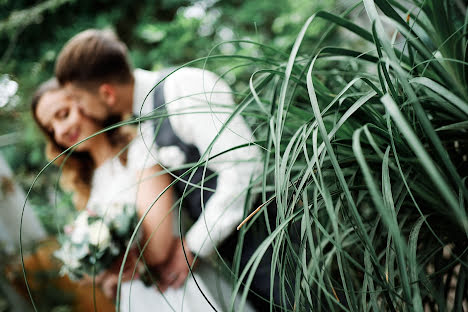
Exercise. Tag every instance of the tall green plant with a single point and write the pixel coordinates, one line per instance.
(367, 156)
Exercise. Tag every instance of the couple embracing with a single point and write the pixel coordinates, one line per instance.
(188, 147)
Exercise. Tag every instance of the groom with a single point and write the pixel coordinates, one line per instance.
(94, 67)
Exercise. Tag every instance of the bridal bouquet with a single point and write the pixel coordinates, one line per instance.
(95, 239)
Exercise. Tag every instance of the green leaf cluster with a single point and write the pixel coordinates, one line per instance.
(366, 151)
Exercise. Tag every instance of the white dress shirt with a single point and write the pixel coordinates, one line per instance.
(193, 98)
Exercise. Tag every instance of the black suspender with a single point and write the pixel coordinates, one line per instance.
(165, 136)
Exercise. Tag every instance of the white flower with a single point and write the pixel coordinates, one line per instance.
(104, 227)
(67, 255)
(8, 89)
(113, 211)
(95, 209)
(82, 219)
(80, 230)
(99, 234)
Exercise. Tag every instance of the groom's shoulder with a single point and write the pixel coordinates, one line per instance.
(187, 74)
(173, 74)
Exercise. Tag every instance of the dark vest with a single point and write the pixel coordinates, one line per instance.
(165, 136)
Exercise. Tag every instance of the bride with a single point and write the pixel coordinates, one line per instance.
(99, 173)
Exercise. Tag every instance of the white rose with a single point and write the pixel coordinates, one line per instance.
(67, 255)
(80, 230)
(82, 219)
(99, 235)
(113, 211)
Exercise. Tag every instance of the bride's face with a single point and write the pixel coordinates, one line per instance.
(57, 112)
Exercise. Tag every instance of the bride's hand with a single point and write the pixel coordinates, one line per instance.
(174, 272)
(109, 279)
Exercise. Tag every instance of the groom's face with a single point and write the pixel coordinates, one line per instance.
(89, 101)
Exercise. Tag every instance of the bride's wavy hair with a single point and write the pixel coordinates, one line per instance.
(77, 167)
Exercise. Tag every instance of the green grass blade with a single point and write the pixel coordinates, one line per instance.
(425, 160)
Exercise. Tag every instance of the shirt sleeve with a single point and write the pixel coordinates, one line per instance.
(209, 103)
(142, 151)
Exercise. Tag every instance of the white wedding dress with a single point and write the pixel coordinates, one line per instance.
(114, 182)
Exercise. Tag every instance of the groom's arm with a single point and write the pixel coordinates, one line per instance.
(221, 215)
(225, 208)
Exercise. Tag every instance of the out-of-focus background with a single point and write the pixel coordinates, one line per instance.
(158, 34)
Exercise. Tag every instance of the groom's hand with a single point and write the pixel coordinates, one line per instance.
(174, 272)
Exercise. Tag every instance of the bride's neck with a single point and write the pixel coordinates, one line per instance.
(101, 149)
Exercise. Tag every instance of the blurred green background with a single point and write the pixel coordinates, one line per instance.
(158, 34)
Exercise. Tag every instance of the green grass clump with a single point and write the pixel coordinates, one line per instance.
(366, 151)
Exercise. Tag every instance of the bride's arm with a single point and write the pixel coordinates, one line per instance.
(158, 221)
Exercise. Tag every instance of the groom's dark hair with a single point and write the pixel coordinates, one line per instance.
(93, 57)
